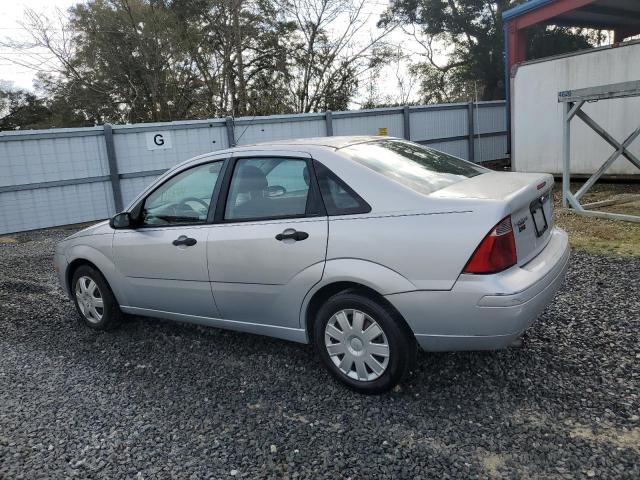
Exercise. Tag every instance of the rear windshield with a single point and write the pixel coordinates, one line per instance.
(420, 168)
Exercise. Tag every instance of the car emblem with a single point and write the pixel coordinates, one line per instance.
(522, 224)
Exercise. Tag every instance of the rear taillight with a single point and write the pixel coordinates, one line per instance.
(496, 252)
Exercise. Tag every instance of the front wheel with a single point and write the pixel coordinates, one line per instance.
(94, 300)
(363, 343)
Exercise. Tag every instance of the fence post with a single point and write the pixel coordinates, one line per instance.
(113, 167)
(329, 119)
(231, 137)
(472, 153)
(566, 154)
(407, 122)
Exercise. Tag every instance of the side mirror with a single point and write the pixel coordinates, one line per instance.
(120, 220)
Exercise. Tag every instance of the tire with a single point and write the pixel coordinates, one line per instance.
(96, 306)
(370, 371)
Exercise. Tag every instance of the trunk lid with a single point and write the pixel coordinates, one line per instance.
(524, 196)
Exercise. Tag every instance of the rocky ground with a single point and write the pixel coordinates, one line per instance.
(159, 400)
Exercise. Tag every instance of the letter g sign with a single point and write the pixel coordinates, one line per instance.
(158, 140)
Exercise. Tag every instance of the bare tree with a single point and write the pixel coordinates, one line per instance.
(332, 54)
(51, 44)
(150, 60)
(396, 71)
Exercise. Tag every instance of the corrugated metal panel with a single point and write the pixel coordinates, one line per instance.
(48, 207)
(50, 159)
(490, 119)
(490, 148)
(427, 125)
(38, 157)
(263, 132)
(537, 115)
(134, 156)
(49, 133)
(131, 187)
(369, 125)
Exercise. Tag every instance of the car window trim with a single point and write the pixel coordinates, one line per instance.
(212, 204)
(314, 208)
(363, 206)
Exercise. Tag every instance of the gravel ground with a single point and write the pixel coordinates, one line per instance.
(159, 400)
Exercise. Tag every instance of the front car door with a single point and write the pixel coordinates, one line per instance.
(268, 246)
(164, 259)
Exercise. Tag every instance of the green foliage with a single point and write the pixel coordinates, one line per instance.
(19, 108)
(471, 33)
(129, 61)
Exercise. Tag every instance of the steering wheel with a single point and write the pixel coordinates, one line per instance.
(184, 201)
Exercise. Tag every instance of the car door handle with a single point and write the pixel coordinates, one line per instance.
(184, 240)
(291, 234)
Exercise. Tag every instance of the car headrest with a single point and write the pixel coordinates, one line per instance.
(251, 179)
(305, 175)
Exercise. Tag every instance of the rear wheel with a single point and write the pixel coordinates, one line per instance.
(94, 300)
(362, 343)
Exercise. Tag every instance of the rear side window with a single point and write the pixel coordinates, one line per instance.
(338, 197)
(422, 169)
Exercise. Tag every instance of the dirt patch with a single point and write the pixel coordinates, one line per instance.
(8, 239)
(492, 463)
(600, 236)
(617, 437)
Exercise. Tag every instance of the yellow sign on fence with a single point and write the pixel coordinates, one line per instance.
(382, 131)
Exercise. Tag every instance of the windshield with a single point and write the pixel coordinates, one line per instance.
(420, 168)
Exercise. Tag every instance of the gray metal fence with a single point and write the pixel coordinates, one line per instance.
(72, 175)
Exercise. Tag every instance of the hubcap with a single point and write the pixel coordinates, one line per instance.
(357, 345)
(89, 299)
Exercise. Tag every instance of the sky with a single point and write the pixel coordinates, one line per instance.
(12, 14)
(22, 77)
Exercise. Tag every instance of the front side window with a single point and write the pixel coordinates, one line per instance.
(422, 169)
(183, 199)
(268, 188)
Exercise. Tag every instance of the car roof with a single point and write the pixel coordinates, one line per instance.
(292, 144)
(330, 142)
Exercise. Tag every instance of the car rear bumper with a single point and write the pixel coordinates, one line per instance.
(486, 312)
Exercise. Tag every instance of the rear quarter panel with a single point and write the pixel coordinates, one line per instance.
(428, 249)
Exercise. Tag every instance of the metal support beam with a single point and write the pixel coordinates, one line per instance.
(329, 123)
(616, 200)
(612, 158)
(608, 138)
(407, 122)
(575, 204)
(566, 153)
(603, 92)
(573, 102)
(113, 168)
(231, 137)
(610, 216)
(471, 131)
(548, 11)
(54, 183)
(575, 109)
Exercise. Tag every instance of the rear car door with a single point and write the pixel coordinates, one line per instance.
(268, 245)
(164, 259)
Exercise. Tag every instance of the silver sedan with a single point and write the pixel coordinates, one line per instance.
(367, 247)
